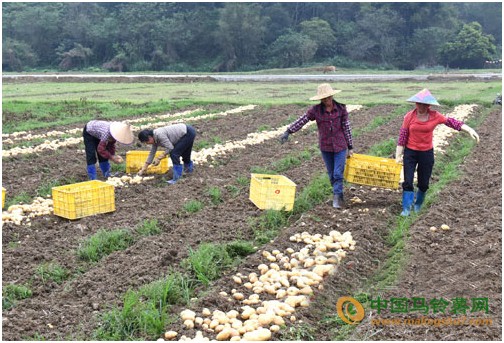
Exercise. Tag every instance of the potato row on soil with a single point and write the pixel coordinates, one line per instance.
(463, 262)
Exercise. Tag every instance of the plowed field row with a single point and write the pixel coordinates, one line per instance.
(147, 260)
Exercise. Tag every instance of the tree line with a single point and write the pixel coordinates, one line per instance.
(204, 37)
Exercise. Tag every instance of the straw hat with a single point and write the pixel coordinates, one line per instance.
(324, 91)
(424, 97)
(121, 132)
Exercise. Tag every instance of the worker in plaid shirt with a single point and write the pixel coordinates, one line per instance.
(335, 136)
(100, 139)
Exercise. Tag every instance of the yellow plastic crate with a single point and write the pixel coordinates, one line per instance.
(83, 199)
(136, 159)
(3, 197)
(275, 192)
(373, 171)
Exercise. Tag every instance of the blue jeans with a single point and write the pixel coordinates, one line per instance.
(335, 165)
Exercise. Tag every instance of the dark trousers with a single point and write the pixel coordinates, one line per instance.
(91, 147)
(423, 161)
(183, 147)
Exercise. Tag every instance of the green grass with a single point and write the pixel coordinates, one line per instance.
(143, 314)
(215, 195)
(264, 128)
(36, 337)
(233, 190)
(267, 225)
(29, 106)
(291, 161)
(298, 332)
(103, 243)
(174, 289)
(203, 143)
(51, 271)
(45, 189)
(134, 320)
(21, 198)
(193, 206)
(12, 293)
(239, 249)
(243, 181)
(384, 149)
(208, 262)
(148, 227)
(39, 112)
(118, 167)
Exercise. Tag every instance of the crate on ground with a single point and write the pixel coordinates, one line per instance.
(373, 171)
(136, 159)
(3, 197)
(83, 199)
(275, 192)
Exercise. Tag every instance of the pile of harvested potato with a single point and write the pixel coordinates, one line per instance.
(21, 214)
(268, 298)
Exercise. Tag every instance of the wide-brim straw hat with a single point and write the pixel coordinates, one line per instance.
(324, 91)
(121, 132)
(424, 97)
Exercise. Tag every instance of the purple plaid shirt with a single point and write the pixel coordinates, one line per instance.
(101, 129)
(334, 130)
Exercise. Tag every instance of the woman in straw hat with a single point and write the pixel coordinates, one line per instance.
(335, 136)
(415, 146)
(100, 138)
(177, 140)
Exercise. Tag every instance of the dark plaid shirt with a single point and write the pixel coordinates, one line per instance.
(101, 130)
(334, 129)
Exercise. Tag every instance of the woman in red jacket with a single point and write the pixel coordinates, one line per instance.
(415, 143)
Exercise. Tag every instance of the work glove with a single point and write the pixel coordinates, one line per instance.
(284, 137)
(471, 132)
(143, 170)
(117, 159)
(158, 159)
(399, 152)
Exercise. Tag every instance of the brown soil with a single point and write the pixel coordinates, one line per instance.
(464, 261)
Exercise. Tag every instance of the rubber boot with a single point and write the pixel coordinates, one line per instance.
(91, 171)
(407, 202)
(420, 196)
(337, 201)
(177, 173)
(105, 168)
(188, 167)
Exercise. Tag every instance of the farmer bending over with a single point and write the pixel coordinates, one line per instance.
(177, 140)
(100, 138)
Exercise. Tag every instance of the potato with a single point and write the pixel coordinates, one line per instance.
(170, 334)
(187, 315)
(258, 335)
